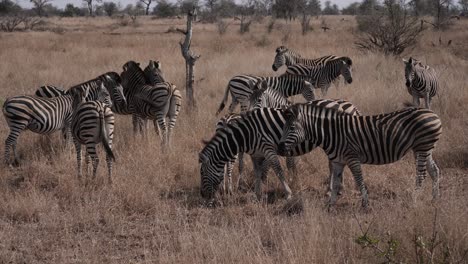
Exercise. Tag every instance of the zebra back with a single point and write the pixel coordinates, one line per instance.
(285, 56)
(49, 91)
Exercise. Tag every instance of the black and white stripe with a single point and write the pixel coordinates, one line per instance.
(257, 133)
(355, 140)
(92, 124)
(288, 57)
(421, 81)
(154, 102)
(240, 87)
(321, 76)
(49, 91)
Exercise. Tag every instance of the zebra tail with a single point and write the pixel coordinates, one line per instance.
(223, 102)
(104, 136)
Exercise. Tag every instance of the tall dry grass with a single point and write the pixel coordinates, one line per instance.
(152, 213)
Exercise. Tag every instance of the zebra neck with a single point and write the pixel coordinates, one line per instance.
(291, 59)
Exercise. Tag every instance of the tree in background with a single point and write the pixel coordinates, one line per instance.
(164, 8)
(147, 3)
(186, 6)
(89, 3)
(109, 8)
(39, 6)
(389, 29)
(71, 11)
(330, 9)
(463, 5)
(9, 7)
(352, 9)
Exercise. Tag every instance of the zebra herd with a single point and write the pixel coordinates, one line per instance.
(85, 112)
(270, 126)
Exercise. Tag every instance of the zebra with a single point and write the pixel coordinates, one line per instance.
(355, 140)
(421, 81)
(151, 101)
(261, 97)
(322, 75)
(285, 56)
(257, 133)
(44, 115)
(49, 91)
(241, 87)
(93, 123)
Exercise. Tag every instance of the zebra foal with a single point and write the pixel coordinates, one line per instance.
(354, 140)
(288, 57)
(421, 81)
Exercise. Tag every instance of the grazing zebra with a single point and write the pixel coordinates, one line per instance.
(44, 115)
(421, 81)
(355, 140)
(49, 91)
(241, 87)
(285, 56)
(321, 76)
(93, 123)
(257, 133)
(151, 101)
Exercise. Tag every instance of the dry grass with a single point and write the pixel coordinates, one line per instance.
(152, 213)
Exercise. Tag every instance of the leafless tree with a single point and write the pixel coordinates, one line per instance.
(148, 4)
(90, 5)
(390, 30)
(10, 23)
(39, 6)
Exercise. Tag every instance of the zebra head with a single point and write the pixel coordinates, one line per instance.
(153, 73)
(114, 89)
(410, 70)
(345, 70)
(293, 131)
(132, 75)
(211, 174)
(280, 58)
(255, 99)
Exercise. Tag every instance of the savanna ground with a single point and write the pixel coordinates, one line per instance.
(153, 213)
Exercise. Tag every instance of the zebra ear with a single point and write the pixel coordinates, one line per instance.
(157, 64)
(410, 60)
(204, 141)
(405, 61)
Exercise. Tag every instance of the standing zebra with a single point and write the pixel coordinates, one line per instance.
(257, 133)
(355, 140)
(43, 115)
(321, 76)
(151, 101)
(241, 87)
(285, 56)
(421, 81)
(93, 123)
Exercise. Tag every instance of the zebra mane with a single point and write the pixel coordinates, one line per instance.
(281, 49)
(134, 66)
(347, 60)
(340, 106)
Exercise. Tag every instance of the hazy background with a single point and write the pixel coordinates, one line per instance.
(123, 3)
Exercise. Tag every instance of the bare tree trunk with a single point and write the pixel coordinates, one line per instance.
(147, 9)
(190, 59)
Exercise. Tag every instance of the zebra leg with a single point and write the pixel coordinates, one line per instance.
(434, 171)
(10, 142)
(87, 160)
(230, 167)
(257, 164)
(325, 90)
(421, 162)
(274, 162)
(336, 175)
(240, 158)
(135, 124)
(355, 166)
(330, 181)
(91, 150)
(162, 126)
(78, 158)
(291, 166)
